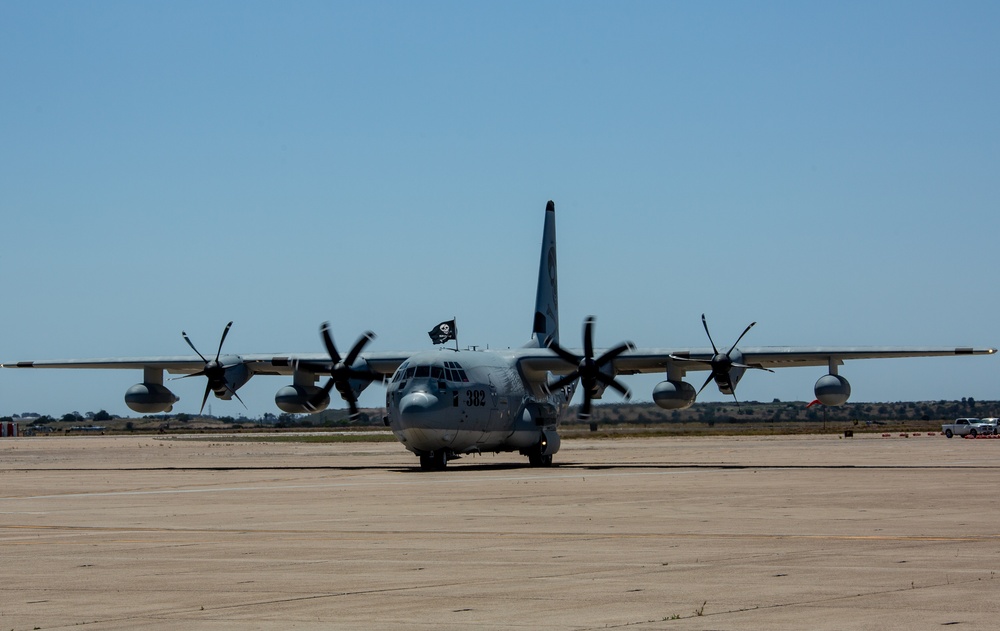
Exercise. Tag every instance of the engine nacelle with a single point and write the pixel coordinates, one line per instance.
(150, 398)
(295, 399)
(832, 390)
(674, 395)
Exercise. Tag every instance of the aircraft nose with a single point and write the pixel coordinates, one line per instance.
(415, 404)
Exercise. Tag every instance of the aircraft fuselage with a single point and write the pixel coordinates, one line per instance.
(455, 402)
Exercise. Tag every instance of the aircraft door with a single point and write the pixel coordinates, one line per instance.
(499, 413)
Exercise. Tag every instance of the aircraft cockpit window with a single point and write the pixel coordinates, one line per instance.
(457, 373)
(400, 373)
(409, 372)
(423, 371)
(437, 372)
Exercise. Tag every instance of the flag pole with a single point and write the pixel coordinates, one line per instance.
(455, 320)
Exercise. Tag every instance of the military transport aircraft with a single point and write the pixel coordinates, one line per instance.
(446, 402)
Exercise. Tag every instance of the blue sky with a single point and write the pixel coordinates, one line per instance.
(828, 170)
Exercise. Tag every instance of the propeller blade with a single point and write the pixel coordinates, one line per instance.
(324, 392)
(563, 353)
(239, 399)
(366, 375)
(614, 353)
(328, 386)
(224, 334)
(563, 381)
(194, 374)
(704, 323)
(588, 336)
(188, 340)
(234, 393)
(331, 349)
(614, 383)
(352, 405)
(689, 359)
(753, 366)
(745, 331)
(208, 388)
(707, 381)
(368, 336)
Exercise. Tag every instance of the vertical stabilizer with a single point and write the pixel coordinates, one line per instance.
(546, 324)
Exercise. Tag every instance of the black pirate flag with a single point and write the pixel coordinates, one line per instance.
(444, 332)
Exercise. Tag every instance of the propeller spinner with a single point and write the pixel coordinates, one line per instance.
(213, 370)
(588, 369)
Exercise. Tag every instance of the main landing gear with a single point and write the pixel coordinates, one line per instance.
(438, 460)
(434, 461)
(538, 460)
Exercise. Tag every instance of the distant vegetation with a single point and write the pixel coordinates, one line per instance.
(756, 412)
(778, 417)
(747, 417)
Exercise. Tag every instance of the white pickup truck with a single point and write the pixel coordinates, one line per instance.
(967, 427)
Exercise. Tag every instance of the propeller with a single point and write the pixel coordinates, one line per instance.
(342, 373)
(213, 370)
(588, 369)
(722, 363)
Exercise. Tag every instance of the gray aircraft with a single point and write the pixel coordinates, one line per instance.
(445, 402)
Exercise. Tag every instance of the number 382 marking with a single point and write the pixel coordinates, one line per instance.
(475, 398)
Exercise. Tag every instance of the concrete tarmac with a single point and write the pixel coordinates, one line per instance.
(814, 532)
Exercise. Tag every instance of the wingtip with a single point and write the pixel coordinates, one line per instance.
(970, 350)
(550, 207)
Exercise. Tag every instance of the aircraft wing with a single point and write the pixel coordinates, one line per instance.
(284, 364)
(172, 364)
(258, 364)
(227, 373)
(651, 360)
(646, 360)
(535, 363)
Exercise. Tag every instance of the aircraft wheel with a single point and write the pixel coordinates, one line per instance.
(434, 461)
(440, 459)
(538, 460)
